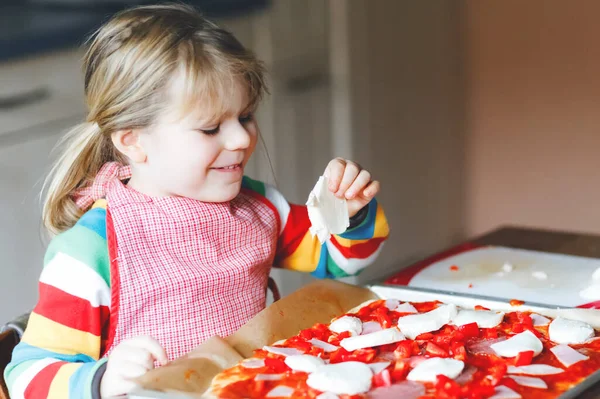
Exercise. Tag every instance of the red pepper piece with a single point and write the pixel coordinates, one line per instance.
(524, 358)
(435, 351)
(470, 330)
(277, 365)
(400, 371)
(383, 379)
(447, 388)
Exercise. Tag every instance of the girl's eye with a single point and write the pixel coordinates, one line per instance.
(210, 132)
(246, 118)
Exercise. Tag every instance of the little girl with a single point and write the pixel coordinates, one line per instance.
(161, 242)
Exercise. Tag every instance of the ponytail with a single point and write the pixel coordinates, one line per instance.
(85, 150)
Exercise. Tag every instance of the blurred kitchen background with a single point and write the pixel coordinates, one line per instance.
(472, 113)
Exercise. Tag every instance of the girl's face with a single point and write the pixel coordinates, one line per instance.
(198, 158)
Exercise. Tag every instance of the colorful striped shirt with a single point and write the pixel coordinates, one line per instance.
(61, 352)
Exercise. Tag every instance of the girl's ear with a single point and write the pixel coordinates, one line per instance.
(128, 143)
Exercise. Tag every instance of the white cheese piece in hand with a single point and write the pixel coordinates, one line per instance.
(533, 382)
(414, 325)
(280, 391)
(326, 346)
(346, 378)
(383, 337)
(282, 351)
(539, 320)
(483, 318)
(565, 331)
(328, 214)
(504, 392)
(347, 323)
(567, 355)
(304, 363)
(428, 370)
(405, 308)
(525, 341)
(534, 369)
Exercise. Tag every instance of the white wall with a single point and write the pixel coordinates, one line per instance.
(408, 120)
(533, 101)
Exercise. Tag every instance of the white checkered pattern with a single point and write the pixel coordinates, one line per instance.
(86, 196)
(189, 270)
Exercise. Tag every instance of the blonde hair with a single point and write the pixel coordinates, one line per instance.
(128, 67)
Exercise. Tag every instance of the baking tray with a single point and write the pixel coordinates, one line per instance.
(410, 294)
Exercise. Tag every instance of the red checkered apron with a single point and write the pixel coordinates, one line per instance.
(186, 270)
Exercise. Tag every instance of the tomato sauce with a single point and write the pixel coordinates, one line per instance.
(486, 369)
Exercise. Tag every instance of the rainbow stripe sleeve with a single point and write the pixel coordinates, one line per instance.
(59, 354)
(342, 255)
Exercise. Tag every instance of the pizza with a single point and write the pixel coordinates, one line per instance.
(392, 349)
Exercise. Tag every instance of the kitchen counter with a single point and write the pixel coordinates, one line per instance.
(31, 29)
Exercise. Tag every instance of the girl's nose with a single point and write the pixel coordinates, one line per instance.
(236, 137)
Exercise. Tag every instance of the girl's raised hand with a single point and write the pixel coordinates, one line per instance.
(349, 180)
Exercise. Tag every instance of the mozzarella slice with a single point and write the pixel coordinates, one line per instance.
(539, 320)
(428, 370)
(565, 331)
(283, 351)
(414, 325)
(304, 363)
(504, 392)
(268, 377)
(346, 378)
(371, 327)
(534, 369)
(525, 341)
(327, 395)
(327, 213)
(347, 323)
(567, 355)
(253, 363)
(406, 308)
(383, 337)
(280, 391)
(378, 367)
(391, 304)
(483, 318)
(326, 346)
(533, 382)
